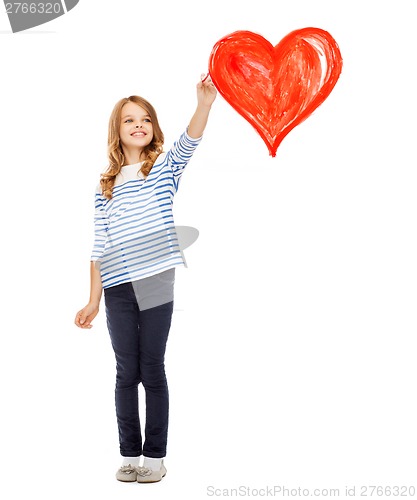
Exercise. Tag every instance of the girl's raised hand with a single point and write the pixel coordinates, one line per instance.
(206, 91)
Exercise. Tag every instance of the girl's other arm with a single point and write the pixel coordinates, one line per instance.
(84, 317)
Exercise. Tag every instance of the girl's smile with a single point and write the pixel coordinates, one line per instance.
(138, 133)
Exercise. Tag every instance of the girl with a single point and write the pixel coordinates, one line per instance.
(134, 258)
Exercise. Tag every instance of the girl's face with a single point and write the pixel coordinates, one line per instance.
(136, 130)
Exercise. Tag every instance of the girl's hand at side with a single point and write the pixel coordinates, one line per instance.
(84, 317)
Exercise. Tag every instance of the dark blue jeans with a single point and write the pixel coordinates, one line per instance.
(139, 340)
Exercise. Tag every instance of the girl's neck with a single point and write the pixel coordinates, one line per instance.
(133, 156)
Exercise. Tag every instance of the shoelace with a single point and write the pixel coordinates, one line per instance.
(144, 471)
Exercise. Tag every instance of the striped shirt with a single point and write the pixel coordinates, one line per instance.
(135, 233)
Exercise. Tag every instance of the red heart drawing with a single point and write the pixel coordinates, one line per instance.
(275, 88)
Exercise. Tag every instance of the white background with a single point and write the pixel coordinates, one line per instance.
(292, 354)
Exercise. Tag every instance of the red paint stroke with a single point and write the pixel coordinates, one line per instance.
(275, 88)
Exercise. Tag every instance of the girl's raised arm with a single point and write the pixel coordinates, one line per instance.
(206, 94)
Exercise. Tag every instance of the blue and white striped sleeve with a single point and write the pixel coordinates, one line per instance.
(101, 224)
(180, 154)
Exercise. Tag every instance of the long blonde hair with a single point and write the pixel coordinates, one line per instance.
(115, 149)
